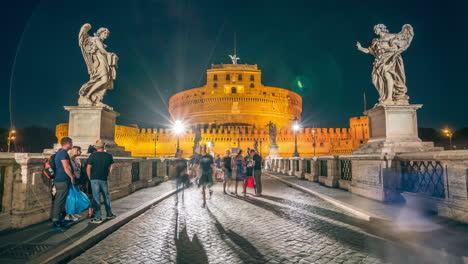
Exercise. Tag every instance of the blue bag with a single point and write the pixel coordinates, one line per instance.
(77, 201)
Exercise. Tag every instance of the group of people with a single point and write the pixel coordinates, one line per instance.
(90, 177)
(235, 168)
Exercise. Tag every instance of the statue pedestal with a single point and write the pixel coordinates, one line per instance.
(393, 129)
(90, 123)
(273, 153)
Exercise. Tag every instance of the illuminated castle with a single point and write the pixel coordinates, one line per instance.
(232, 111)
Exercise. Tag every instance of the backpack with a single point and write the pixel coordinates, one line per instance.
(49, 167)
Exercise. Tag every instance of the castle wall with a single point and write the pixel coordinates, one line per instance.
(162, 142)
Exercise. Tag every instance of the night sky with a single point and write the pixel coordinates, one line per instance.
(166, 46)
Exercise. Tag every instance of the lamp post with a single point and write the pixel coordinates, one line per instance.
(178, 129)
(296, 127)
(11, 137)
(449, 134)
(313, 137)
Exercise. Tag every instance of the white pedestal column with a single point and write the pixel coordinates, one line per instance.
(393, 129)
(90, 123)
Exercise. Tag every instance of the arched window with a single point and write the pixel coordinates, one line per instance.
(215, 77)
(252, 85)
(228, 77)
(252, 78)
(215, 85)
(233, 90)
(239, 77)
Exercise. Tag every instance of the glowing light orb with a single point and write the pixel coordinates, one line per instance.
(178, 127)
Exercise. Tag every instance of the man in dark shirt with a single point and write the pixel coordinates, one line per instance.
(180, 170)
(98, 168)
(257, 172)
(63, 177)
(206, 178)
(227, 169)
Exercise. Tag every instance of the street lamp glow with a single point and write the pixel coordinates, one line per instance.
(178, 127)
(296, 127)
(448, 133)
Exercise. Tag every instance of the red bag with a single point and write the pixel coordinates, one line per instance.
(250, 182)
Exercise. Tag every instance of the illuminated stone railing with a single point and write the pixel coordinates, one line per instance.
(26, 192)
(439, 177)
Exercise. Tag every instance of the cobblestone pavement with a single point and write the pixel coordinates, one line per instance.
(284, 226)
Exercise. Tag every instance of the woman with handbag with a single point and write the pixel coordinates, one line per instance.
(241, 171)
(250, 168)
(74, 153)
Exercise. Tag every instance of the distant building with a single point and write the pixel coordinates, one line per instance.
(232, 111)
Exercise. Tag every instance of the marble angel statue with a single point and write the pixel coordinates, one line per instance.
(101, 66)
(272, 132)
(388, 74)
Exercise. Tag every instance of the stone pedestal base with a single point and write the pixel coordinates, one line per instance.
(393, 129)
(90, 123)
(273, 153)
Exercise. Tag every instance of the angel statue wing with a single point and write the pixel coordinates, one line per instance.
(404, 38)
(87, 47)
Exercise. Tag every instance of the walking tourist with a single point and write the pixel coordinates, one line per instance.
(99, 167)
(257, 172)
(206, 178)
(63, 177)
(226, 164)
(240, 171)
(195, 166)
(74, 153)
(180, 170)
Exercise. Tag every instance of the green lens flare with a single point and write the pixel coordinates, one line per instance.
(299, 84)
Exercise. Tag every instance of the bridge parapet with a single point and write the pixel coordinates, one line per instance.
(25, 194)
(438, 179)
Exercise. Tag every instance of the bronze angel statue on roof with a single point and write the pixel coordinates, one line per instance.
(388, 74)
(101, 66)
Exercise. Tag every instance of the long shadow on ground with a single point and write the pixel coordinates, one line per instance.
(188, 251)
(247, 252)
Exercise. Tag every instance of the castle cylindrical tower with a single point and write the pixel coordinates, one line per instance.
(234, 94)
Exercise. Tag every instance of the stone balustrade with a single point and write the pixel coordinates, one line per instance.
(25, 194)
(438, 177)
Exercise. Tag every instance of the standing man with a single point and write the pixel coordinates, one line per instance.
(98, 168)
(206, 178)
(257, 172)
(63, 177)
(227, 169)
